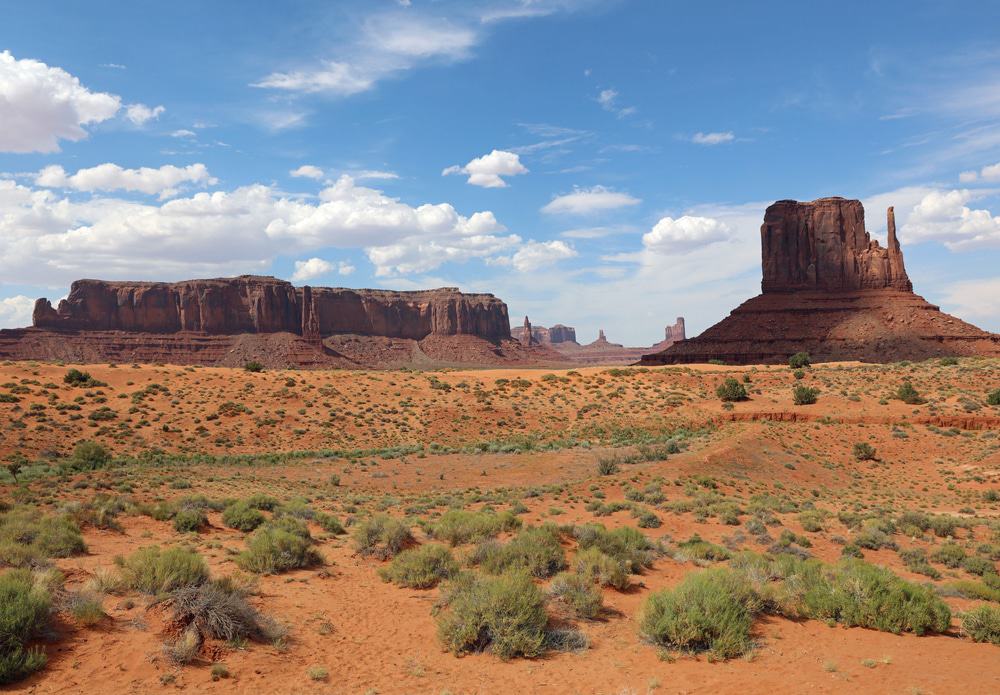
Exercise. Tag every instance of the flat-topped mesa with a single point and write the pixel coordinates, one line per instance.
(255, 304)
(823, 245)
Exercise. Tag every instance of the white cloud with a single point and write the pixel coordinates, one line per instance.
(713, 138)
(670, 236)
(538, 254)
(307, 171)
(41, 105)
(967, 177)
(312, 268)
(140, 114)
(111, 177)
(974, 301)
(486, 171)
(15, 312)
(943, 216)
(991, 172)
(585, 201)
(49, 239)
(388, 44)
(608, 99)
(183, 133)
(374, 174)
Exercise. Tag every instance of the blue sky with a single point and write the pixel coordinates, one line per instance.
(603, 164)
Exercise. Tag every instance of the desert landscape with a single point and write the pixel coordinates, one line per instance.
(473, 347)
(393, 485)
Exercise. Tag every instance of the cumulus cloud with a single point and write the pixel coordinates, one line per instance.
(586, 201)
(312, 268)
(41, 105)
(944, 216)
(111, 177)
(140, 114)
(713, 138)
(974, 301)
(46, 238)
(990, 172)
(671, 236)
(538, 254)
(15, 312)
(307, 171)
(486, 171)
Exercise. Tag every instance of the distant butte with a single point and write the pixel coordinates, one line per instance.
(562, 340)
(830, 290)
(229, 321)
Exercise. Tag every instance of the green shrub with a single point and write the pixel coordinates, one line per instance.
(602, 569)
(153, 571)
(190, 519)
(993, 397)
(253, 366)
(863, 451)
(812, 520)
(74, 377)
(27, 536)
(536, 551)
(982, 624)
(259, 500)
(694, 548)
(799, 360)
(711, 610)
(24, 613)
(242, 517)
(458, 527)
(731, 390)
(381, 536)
(804, 395)
(88, 456)
(330, 523)
(856, 593)
(578, 594)
(607, 465)
(950, 555)
(279, 547)
(915, 560)
(86, 607)
(625, 545)
(421, 568)
(504, 614)
(908, 394)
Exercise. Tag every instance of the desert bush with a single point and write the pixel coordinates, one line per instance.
(27, 536)
(259, 500)
(731, 390)
(253, 366)
(279, 547)
(578, 594)
(190, 519)
(915, 560)
(607, 465)
(950, 555)
(858, 594)
(24, 613)
(242, 517)
(602, 569)
(219, 610)
(812, 520)
(154, 571)
(536, 551)
(711, 610)
(330, 523)
(381, 536)
(88, 456)
(908, 394)
(799, 360)
(74, 377)
(85, 606)
(982, 624)
(504, 614)
(804, 395)
(458, 526)
(873, 536)
(863, 451)
(694, 548)
(993, 397)
(625, 545)
(421, 568)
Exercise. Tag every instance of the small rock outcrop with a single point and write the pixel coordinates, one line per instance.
(830, 290)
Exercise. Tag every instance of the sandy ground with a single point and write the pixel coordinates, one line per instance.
(374, 637)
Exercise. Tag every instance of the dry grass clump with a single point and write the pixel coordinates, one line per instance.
(421, 568)
(381, 536)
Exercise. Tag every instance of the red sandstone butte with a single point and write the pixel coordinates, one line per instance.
(830, 290)
(228, 321)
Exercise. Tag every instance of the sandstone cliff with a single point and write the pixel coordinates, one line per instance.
(253, 304)
(229, 321)
(832, 291)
